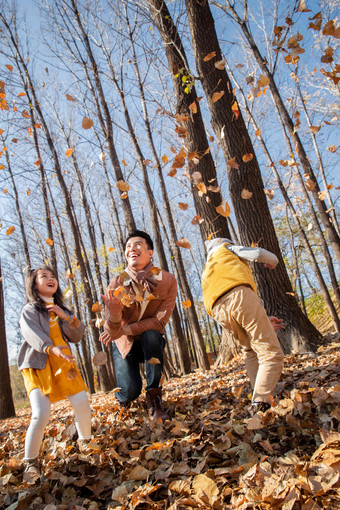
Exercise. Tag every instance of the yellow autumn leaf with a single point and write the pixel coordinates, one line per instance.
(217, 96)
(21, 94)
(332, 148)
(202, 187)
(49, 242)
(10, 231)
(96, 307)
(246, 194)
(223, 209)
(263, 81)
(165, 159)
(69, 151)
(322, 195)
(122, 185)
(258, 132)
(329, 186)
(183, 243)
(87, 123)
(186, 304)
(209, 56)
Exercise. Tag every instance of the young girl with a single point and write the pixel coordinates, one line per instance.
(46, 362)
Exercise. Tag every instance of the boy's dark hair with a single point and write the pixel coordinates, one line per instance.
(31, 293)
(140, 233)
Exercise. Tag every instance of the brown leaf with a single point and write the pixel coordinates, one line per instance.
(246, 194)
(165, 159)
(96, 307)
(183, 243)
(69, 98)
(209, 56)
(332, 148)
(193, 107)
(247, 157)
(9, 67)
(74, 323)
(217, 96)
(122, 185)
(10, 231)
(220, 64)
(314, 129)
(183, 206)
(269, 193)
(37, 163)
(87, 123)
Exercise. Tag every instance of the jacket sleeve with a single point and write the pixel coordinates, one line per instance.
(32, 330)
(160, 319)
(254, 254)
(73, 334)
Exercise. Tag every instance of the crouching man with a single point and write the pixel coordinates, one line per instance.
(138, 305)
(229, 295)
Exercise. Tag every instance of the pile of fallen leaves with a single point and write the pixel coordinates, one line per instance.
(211, 454)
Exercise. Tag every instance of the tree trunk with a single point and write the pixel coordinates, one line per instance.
(252, 214)
(6, 399)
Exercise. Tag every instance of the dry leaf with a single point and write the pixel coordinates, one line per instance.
(165, 159)
(183, 206)
(183, 243)
(156, 270)
(217, 95)
(223, 209)
(110, 249)
(69, 151)
(74, 323)
(87, 123)
(186, 304)
(269, 193)
(202, 187)
(49, 242)
(314, 129)
(10, 231)
(122, 185)
(193, 107)
(247, 157)
(209, 56)
(100, 358)
(97, 307)
(246, 194)
(220, 64)
(69, 98)
(124, 195)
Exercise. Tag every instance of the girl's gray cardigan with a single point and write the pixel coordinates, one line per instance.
(34, 325)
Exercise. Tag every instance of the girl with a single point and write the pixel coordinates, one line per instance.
(46, 362)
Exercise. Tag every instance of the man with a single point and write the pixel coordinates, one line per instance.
(229, 295)
(138, 305)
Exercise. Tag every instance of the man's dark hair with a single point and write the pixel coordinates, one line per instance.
(140, 233)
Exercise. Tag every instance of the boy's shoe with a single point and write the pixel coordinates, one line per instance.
(259, 407)
(31, 471)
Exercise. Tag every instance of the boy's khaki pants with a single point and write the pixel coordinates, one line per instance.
(241, 311)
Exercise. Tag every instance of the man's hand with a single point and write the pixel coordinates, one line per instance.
(276, 323)
(58, 311)
(57, 350)
(112, 304)
(270, 266)
(105, 338)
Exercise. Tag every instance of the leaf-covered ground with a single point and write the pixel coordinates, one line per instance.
(209, 455)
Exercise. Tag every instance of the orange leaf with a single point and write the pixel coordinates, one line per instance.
(96, 308)
(235, 110)
(124, 195)
(15, 140)
(173, 150)
(183, 206)
(110, 249)
(314, 129)
(2, 167)
(186, 304)
(122, 185)
(183, 243)
(202, 187)
(49, 242)
(25, 114)
(5, 191)
(21, 94)
(69, 151)
(247, 157)
(209, 56)
(87, 123)
(232, 163)
(156, 270)
(258, 132)
(37, 125)
(1, 131)
(217, 95)
(37, 163)
(10, 231)
(28, 192)
(172, 172)
(29, 131)
(211, 138)
(193, 107)
(9, 67)
(70, 98)
(197, 220)
(223, 209)
(246, 194)
(165, 159)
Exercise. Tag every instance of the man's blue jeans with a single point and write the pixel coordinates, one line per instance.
(150, 345)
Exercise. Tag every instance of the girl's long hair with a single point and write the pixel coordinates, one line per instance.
(31, 292)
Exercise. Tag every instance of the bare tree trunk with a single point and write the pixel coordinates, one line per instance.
(6, 398)
(252, 214)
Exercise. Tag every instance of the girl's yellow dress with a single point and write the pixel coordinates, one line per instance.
(54, 380)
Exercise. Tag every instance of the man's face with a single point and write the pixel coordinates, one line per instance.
(137, 253)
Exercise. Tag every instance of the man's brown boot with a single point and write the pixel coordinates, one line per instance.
(154, 404)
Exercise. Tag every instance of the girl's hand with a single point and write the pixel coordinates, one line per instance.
(58, 311)
(57, 350)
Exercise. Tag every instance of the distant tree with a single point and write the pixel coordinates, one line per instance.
(6, 398)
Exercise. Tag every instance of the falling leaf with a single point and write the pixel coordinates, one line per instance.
(25, 114)
(247, 157)
(70, 98)
(10, 231)
(97, 307)
(183, 243)
(37, 163)
(269, 193)
(147, 162)
(153, 361)
(165, 159)
(223, 209)
(220, 64)
(322, 195)
(156, 270)
(314, 129)
(302, 7)
(246, 194)
(193, 107)
(69, 275)
(263, 81)
(100, 358)
(110, 249)
(197, 220)
(87, 123)
(21, 94)
(310, 185)
(258, 132)
(217, 95)
(28, 192)
(9, 67)
(232, 163)
(235, 110)
(183, 206)
(68, 294)
(332, 148)
(181, 131)
(2, 167)
(186, 304)
(49, 242)
(15, 140)
(209, 56)
(6, 191)
(211, 138)
(122, 185)
(202, 187)
(69, 151)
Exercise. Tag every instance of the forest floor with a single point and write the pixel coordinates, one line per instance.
(211, 454)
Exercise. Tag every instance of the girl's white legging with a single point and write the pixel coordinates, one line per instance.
(41, 411)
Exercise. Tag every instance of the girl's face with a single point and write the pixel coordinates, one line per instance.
(46, 283)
